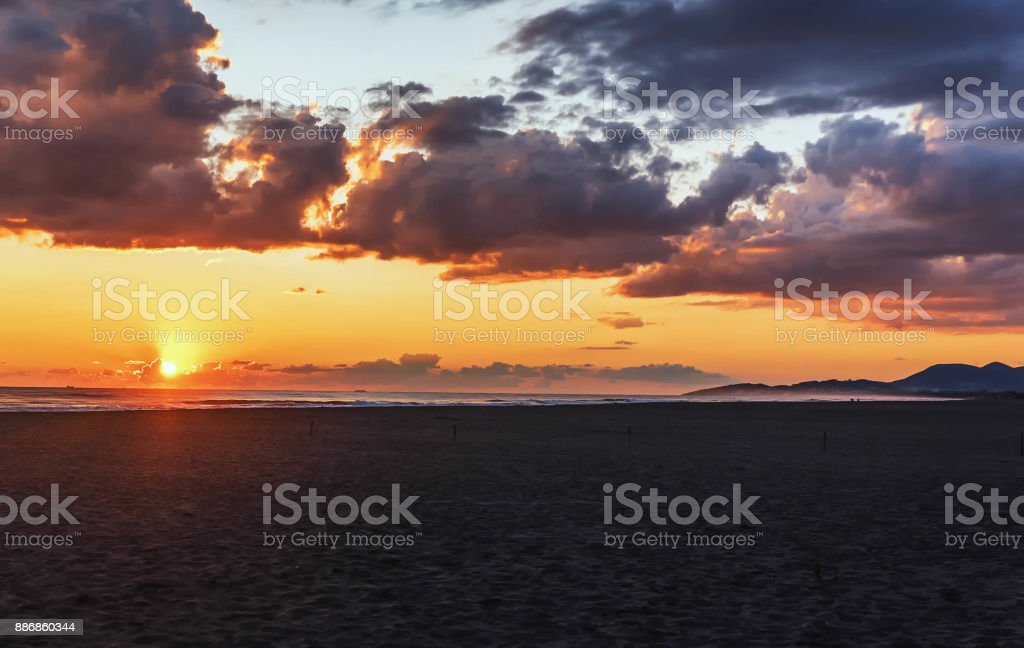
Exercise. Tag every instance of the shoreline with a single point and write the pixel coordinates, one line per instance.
(609, 402)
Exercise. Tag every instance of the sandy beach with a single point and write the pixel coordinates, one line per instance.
(510, 549)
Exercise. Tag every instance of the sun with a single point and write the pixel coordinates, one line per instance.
(168, 368)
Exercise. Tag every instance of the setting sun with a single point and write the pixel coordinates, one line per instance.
(168, 368)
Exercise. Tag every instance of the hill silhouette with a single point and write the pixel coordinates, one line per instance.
(940, 379)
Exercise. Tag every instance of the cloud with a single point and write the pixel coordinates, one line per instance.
(675, 374)
(477, 191)
(410, 372)
(622, 321)
(250, 365)
(145, 105)
(308, 369)
(149, 372)
(300, 290)
(389, 7)
(797, 54)
(383, 371)
(868, 149)
(527, 96)
(875, 207)
(490, 203)
(456, 121)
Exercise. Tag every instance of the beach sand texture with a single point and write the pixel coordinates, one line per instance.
(851, 551)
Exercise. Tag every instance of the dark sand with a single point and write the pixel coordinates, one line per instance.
(511, 552)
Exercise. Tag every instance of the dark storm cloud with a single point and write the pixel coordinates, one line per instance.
(805, 56)
(131, 171)
(535, 74)
(34, 33)
(876, 207)
(527, 96)
(193, 102)
(130, 149)
(488, 202)
(455, 121)
(866, 148)
(488, 193)
(750, 175)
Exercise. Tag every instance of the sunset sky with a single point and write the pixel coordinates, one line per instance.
(515, 175)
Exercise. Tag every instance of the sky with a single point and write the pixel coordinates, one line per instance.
(478, 195)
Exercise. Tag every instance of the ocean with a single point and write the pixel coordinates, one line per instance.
(51, 399)
(55, 399)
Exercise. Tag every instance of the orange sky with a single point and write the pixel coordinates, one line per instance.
(168, 173)
(370, 309)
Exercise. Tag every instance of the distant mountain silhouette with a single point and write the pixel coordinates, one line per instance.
(995, 377)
